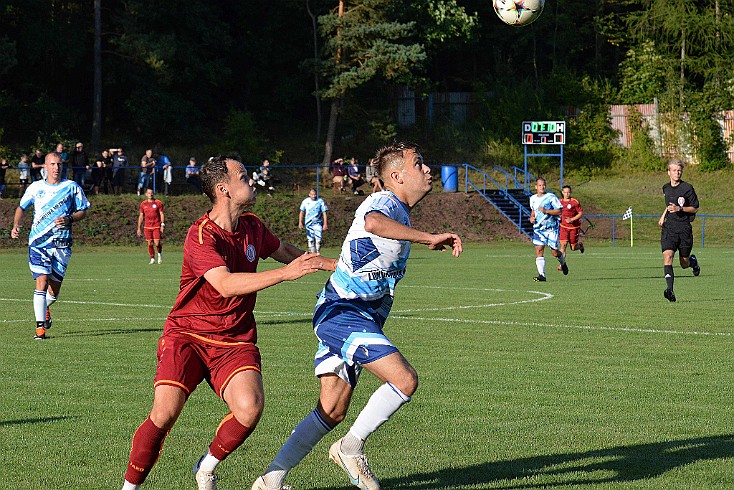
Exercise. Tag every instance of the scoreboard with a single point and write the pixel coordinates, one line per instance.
(544, 132)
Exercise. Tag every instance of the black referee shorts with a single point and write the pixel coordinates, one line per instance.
(677, 240)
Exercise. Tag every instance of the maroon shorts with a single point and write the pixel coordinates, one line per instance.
(186, 360)
(569, 235)
(152, 233)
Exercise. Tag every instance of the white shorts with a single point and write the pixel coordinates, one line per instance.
(546, 236)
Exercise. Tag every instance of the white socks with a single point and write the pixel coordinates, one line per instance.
(384, 402)
(540, 264)
(39, 305)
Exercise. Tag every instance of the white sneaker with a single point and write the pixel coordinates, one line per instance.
(356, 467)
(152, 261)
(205, 480)
(160, 258)
(260, 485)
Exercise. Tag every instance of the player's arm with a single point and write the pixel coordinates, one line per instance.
(287, 253)
(230, 284)
(15, 232)
(326, 222)
(300, 220)
(662, 217)
(68, 219)
(380, 225)
(163, 219)
(141, 217)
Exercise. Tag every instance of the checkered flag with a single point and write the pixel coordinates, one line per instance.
(627, 214)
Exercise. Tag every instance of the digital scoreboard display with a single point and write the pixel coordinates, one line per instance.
(544, 132)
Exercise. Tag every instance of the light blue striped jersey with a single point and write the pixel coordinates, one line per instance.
(313, 210)
(51, 201)
(369, 266)
(548, 201)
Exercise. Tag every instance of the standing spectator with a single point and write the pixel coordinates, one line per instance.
(98, 172)
(192, 175)
(545, 215)
(79, 163)
(355, 177)
(119, 162)
(24, 173)
(57, 203)
(161, 162)
(4, 166)
(313, 215)
(61, 152)
(339, 173)
(264, 177)
(147, 164)
(151, 212)
(675, 223)
(37, 166)
(210, 334)
(571, 214)
(167, 174)
(372, 178)
(107, 177)
(349, 318)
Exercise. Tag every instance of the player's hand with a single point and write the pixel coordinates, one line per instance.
(308, 263)
(300, 226)
(62, 221)
(325, 227)
(139, 233)
(15, 232)
(443, 240)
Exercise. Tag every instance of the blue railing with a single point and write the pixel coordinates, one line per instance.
(523, 212)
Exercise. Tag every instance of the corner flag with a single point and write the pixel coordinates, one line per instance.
(628, 215)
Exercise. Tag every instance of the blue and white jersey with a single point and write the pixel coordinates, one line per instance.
(542, 220)
(51, 201)
(369, 266)
(313, 210)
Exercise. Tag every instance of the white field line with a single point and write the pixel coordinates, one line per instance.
(397, 315)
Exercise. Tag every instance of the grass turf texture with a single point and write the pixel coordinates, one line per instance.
(591, 380)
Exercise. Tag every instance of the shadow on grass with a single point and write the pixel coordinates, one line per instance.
(616, 465)
(42, 420)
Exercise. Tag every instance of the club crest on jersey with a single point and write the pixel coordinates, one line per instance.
(41, 193)
(250, 252)
(568, 206)
(681, 201)
(155, 206)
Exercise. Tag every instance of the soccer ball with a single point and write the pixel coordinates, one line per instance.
(518, 12)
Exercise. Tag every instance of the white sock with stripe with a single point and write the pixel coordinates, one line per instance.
(39, 305)
(385, 401)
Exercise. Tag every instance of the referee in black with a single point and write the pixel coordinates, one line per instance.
(677, 235)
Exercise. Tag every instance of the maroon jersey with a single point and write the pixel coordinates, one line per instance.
(200, 311)
(570, 208)
(151, 213)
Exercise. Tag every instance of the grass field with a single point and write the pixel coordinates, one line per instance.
(591, 380)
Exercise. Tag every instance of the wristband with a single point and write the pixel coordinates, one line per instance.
(71, 219)
(163, 224)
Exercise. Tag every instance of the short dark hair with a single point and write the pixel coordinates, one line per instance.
(215, 171)
(566, 187)
(389, 155)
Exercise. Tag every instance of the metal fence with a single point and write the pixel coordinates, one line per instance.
(643, 229)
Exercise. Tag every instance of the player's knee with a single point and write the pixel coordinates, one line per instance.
(164, 417)
(408, 382)
(248, 408)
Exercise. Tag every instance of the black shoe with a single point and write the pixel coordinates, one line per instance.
(669, 295)
(581, 247)
(564, 268)
(540, 278)
(694, 265)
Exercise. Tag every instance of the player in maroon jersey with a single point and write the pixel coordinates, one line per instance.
(151, 212)
(571, 214)
(210, 333)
